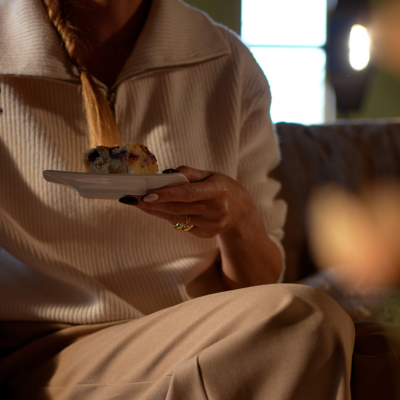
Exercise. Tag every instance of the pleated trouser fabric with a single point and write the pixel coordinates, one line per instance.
(275, 342)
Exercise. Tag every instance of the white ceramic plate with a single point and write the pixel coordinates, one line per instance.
(112, 186)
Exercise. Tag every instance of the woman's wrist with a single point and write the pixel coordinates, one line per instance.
(247, 223)
(249, 257)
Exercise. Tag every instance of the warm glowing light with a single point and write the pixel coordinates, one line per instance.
(359, 46)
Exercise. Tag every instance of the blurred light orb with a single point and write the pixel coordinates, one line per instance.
(357, 235)
(359, 47)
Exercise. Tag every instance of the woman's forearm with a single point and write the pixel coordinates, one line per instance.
(249, 257)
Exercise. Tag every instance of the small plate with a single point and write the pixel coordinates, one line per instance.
(112, 186)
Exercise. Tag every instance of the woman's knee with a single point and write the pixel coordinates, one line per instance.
(295, 304)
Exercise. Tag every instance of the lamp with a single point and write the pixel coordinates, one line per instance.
(348, 58)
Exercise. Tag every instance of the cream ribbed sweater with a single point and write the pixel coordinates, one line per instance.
(192, 93)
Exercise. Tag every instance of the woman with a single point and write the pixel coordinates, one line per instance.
(106, 300)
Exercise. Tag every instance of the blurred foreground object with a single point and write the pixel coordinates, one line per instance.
(358, 235)
(385, 35)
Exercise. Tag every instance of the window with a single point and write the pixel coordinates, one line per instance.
(287, 39)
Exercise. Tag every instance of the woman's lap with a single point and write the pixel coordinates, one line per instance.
(284, 340)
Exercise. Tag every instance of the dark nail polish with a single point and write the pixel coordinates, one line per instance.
(169, 171)
(128, 200)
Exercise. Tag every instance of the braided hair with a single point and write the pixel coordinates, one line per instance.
(102, 127)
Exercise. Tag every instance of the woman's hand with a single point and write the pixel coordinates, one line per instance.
(217, 205)
(213, 201)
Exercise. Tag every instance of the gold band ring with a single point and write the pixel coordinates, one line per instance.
(184, 227)
(187, 227)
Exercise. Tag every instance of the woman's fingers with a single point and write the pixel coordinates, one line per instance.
(174, 219)
(180, 193)
(214, 201)
(182, 211)
(212, 209)
(209, 187)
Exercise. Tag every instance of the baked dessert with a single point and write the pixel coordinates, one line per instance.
(130, 158)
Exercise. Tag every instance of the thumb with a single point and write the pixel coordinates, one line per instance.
(193, 174)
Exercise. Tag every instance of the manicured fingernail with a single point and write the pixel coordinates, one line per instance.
(169, 171)
(128, 200)
(150, 197)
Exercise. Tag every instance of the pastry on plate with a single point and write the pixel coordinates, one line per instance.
(130, 158)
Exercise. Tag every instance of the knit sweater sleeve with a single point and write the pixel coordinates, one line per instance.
(259, 150)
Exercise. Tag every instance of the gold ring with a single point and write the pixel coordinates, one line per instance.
(187, 227)
(184, 227)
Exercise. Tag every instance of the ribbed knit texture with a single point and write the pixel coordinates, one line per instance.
(194, 101)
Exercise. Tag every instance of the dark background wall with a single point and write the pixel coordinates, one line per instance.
(226, 12)
(381, 99)
(382, 95)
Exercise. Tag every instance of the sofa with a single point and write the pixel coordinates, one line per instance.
(350, 154)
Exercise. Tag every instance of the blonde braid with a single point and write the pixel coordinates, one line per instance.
(102, 127)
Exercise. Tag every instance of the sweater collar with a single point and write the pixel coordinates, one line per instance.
(173, 35)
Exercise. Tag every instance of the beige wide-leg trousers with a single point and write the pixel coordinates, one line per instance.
(275, 342)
